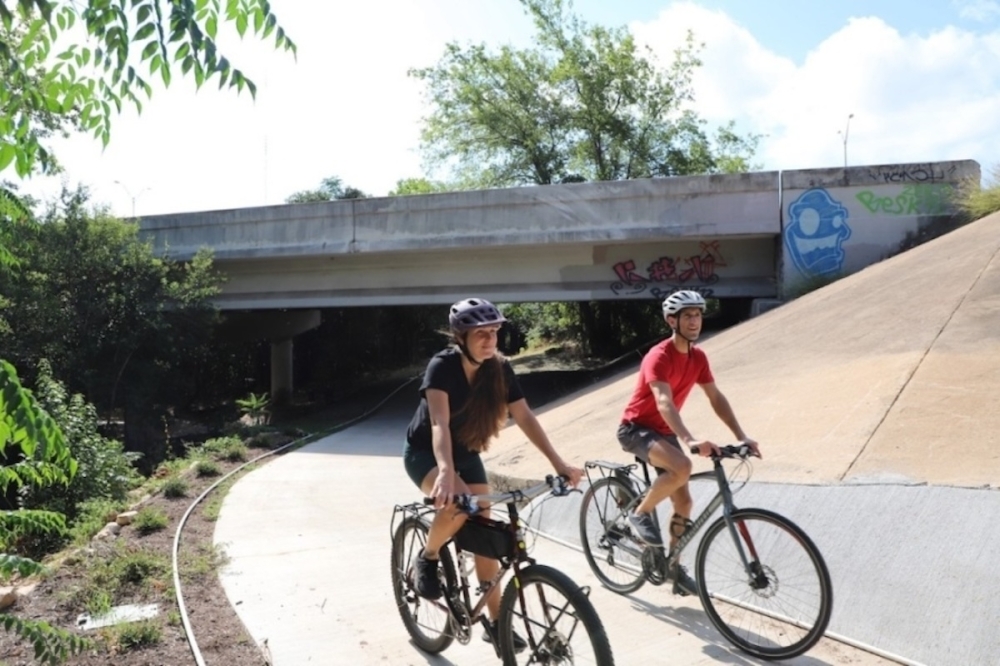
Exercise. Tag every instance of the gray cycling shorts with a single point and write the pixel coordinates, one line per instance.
(637, 439)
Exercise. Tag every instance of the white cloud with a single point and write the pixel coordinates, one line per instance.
(978, 10)
(914, 98)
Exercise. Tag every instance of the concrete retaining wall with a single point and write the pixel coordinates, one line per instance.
(837, 221)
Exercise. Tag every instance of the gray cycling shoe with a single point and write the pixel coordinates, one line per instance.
(684, 584)
(645, 528)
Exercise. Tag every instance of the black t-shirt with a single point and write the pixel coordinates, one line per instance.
(444, 372)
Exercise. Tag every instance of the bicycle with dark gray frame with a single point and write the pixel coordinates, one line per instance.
(761, 579)
(549, 615)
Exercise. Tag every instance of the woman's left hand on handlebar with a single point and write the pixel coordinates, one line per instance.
(754, 448)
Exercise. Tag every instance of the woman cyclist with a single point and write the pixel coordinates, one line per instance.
(468, 392)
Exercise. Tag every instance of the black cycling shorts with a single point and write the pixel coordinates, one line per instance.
(418, 463)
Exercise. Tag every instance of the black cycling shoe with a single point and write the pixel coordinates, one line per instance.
(491, 633)
(684, 584)
(427, 583)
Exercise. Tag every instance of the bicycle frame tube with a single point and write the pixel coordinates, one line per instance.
(723, 498)
(484, 589)
(727, 514)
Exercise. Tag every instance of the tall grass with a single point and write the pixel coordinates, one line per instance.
(977, 201)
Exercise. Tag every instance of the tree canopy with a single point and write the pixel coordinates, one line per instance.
(586, 103)
(53, 85)
(330, 189)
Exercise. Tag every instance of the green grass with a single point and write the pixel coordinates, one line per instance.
(175, 488)
(150, 520)
(110, 575)
(134, 635)
(207, 468)
(94, 515)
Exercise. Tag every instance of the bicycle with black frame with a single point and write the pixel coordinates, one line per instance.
(552, 614)
(761, 580)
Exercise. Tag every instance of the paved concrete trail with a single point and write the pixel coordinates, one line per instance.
(874, 400)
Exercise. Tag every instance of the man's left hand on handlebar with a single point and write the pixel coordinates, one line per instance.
(574, 474)
(754, 448)
(705, 448)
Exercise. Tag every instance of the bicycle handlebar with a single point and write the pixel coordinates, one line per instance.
(469, 503)
(741, 451)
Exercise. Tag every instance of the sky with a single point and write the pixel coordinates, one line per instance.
(869, 82)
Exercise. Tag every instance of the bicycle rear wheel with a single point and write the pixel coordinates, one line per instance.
(556, 619)
(614, 555)
(428, 622)
(782, 607)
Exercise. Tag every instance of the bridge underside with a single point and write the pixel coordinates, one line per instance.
(721, 268)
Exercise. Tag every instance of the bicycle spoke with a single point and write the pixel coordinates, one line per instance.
(562, 626)
(781, 606)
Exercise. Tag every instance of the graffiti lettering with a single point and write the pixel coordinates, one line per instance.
(660, 294)
(911, 173)
(924, 199)
(678, 270)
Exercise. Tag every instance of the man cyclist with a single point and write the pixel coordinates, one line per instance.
(652, 428)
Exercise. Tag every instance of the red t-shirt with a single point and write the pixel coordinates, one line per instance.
(681, 371)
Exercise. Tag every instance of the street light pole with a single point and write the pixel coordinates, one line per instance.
(131, 196)
(847, 129)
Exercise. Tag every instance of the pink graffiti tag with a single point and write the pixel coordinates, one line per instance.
(625, 270)
(662, 269)
(665, 269)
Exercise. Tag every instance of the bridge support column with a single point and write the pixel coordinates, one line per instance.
(279, 327)
(281, 372)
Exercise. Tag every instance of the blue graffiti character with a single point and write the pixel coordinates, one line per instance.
(816, 229)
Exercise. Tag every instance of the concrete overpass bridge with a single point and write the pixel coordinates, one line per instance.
(743, 236)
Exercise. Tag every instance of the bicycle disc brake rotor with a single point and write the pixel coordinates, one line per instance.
(554, 650)
(654, 565)
(765, 582)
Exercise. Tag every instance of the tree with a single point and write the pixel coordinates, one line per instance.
(331, 189)
(40, 458)
(48, 87)
(123, 327)
(585, 104)
(408, 186)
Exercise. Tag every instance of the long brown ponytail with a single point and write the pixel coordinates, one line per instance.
(486, 411)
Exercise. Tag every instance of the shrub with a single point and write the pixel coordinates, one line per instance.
(135, 635)
(207, 468)
(105, 470)
(150, 520)
(175, 488)
(976, 201)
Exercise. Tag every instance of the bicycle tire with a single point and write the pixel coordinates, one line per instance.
(783, 612)
(553, 612)
(428, 622)
(614, 555)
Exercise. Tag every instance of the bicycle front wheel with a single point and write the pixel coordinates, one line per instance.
(613, 553)
(556, 619)
(428, 622)
(781, 607)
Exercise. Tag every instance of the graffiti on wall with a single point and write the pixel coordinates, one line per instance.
(816, 230)
(669, 274)
(920, 199)
(912, 173)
